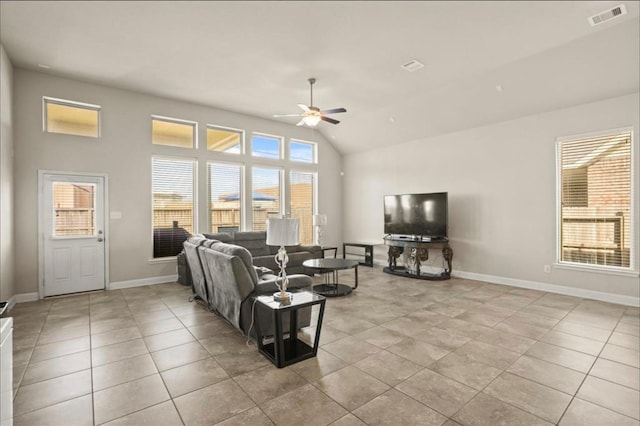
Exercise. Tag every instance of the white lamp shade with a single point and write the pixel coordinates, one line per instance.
(283, 232)
(319, 220)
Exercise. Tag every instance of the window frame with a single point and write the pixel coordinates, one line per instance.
(73, 104)
(241, 132)
(173, 120)
(195, 201)
(314, 151)
(633, 268)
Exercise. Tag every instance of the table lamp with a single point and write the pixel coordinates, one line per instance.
(319, 221)
(282, 232)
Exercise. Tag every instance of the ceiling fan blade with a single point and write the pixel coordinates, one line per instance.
(329, 120)
(304, 107)
(300, 123)
(287, 115)
(333, 111)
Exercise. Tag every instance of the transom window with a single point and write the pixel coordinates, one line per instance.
(226, 140)
(71, 118)
(595, 194)
(266, 146)
(173, 132)
(303, 152)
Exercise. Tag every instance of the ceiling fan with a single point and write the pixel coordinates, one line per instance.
(312, 115)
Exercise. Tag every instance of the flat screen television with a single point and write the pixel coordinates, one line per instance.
(424, 215)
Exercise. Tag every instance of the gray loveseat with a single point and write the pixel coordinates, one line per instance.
(263, 255)
(225, 278)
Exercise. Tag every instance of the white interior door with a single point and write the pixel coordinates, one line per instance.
(72, 218)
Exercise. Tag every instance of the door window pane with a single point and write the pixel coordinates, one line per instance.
(266, 146)
(74, 209)
(302, 196)
(225, 197)
(265, 199)
(173, 204)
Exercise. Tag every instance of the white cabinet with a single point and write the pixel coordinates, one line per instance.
(6, 371)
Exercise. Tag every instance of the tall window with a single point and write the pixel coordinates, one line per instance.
(71, 118)
(302, 196)
(173, 192)
(595, 187)
(265, 197)
(225, 197)
(226, 140)
(266, 146)
(173, 132)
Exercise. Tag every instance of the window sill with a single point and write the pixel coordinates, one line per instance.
(599, 270)
(172, 259)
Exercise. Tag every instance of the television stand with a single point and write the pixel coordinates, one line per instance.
(419, 252)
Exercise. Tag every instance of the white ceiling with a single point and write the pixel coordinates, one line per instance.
(255, 57)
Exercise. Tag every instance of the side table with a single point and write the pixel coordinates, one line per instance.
(287, 348)
(329, 248)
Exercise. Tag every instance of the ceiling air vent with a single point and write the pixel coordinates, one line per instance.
(412, 65)
(608, 15)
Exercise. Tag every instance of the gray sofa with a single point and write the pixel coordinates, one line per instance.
(263, 255)
(225, 278)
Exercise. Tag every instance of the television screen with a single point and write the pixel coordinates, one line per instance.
(416, 214)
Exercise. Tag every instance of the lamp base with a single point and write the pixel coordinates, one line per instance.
(279, 297)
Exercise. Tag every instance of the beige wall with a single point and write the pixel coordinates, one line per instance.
(124, 153)
(7, 289)
(502, 197)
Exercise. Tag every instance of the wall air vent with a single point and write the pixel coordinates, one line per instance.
(412, 65)
(607, 15)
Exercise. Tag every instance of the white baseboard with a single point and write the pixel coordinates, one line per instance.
(551, 288)
(143, 281)
(22, 298)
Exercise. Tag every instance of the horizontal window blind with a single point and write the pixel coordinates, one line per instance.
(173, 204)
(595, 211)
(302, 188)
(225, 197)
(265, 198)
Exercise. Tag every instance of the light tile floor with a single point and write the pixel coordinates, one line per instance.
(396, 351)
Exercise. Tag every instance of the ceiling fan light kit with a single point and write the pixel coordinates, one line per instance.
(311, 115)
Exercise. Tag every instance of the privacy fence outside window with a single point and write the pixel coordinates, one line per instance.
(595, 199)
(173, 204)
(225, 197)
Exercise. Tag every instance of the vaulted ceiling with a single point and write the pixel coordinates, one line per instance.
(484, 61)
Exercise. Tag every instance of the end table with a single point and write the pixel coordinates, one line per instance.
(286, 351)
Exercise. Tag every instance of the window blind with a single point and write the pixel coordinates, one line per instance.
(225, 197)
(595, 211)
(302, 196)
(265, 197)
(74, 209)
(173, 204)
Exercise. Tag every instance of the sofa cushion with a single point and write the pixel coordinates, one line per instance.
(254, 241)
(242, 253)
(220, 236)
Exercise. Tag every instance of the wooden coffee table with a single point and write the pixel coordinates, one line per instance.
(329, 268)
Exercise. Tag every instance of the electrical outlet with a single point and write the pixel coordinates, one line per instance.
(547, 269)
